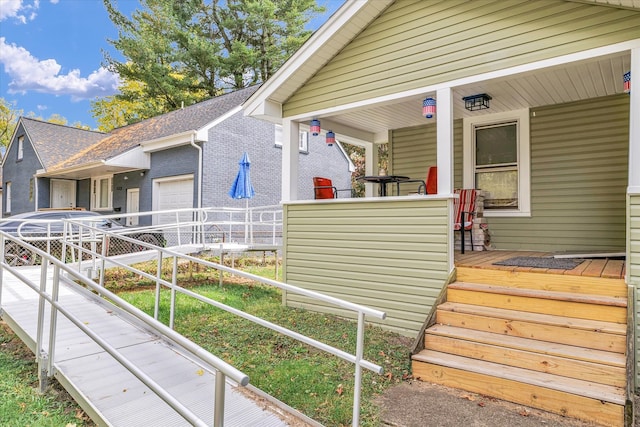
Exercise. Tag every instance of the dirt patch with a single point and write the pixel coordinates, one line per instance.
(418, 404)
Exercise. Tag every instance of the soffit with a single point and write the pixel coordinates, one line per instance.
(561, 84)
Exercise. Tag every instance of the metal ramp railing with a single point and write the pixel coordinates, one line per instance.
(91, 244)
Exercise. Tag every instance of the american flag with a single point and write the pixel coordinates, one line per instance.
(626, 82)
(429, 107)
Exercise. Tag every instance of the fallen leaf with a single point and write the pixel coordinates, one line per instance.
(525, 412)
(468, 397)
(481, 404)
(200, 372)
(339, 390)
(389, 375)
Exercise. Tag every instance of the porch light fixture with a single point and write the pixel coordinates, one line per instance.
(331, 138)
(626, 82)
(315, 127)
(476, 102)
(428, 107)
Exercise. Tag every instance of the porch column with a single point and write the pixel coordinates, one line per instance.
(444, 129)
(634, 123)
(444, 145)
(370, 166)
(290, 159)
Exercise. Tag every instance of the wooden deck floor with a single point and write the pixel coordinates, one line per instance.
(592, 267)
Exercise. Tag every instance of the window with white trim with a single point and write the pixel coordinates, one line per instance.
(303, 139)
(20, 147)
(496, 160)
(8, 197)
(101, 194)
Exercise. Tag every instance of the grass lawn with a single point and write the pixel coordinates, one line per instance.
(20, 403)
(314, 382)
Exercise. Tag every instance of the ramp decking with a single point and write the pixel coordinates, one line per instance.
(107, 391)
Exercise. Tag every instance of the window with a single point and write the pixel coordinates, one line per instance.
(101, 193)
(303, 141)
(20, 147)
(8, 199)
(496, 160)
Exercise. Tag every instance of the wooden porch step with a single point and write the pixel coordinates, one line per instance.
(560, 359)
(544, 281)
(593, 307)
(603, 404)
(590, 334)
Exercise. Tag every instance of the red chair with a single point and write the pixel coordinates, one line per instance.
(464, 211)
(323, 188)
(429, 186)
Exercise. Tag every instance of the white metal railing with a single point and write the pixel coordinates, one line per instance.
(167, 253)
(45, 358)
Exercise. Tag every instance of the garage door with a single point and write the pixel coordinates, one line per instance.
(172, 193)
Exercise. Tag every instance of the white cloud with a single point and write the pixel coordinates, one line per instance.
(28, 73)
(20, 10)
(41, 107)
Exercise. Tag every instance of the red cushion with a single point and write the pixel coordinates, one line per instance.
(465, 203)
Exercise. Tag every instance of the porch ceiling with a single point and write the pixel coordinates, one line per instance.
(577, 81)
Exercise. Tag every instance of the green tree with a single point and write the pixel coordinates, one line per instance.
(8, 120)
(184, 51)
(116, 111)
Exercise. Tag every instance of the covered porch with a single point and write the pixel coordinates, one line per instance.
(556, 145)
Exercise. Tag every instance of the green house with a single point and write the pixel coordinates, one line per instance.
(560, 173)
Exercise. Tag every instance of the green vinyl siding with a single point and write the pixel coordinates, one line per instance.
(389, 255)
(417, 43)
(579, 161)
(414, 150)
(633, 271)
(579, 158)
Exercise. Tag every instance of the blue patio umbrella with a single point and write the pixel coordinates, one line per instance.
(242, 188)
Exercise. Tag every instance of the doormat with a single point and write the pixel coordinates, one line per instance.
(541, 262)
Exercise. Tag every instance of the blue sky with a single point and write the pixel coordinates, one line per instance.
(51, 54)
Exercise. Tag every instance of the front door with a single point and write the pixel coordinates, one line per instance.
(63, 194)
(133, 205)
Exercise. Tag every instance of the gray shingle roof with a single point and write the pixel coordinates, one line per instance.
(186, 119)
(54, 143)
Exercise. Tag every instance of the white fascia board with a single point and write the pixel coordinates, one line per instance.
(533, 66)
(352, 166)
(84, 166)
(267, 110)
(203, 133)
(340, 18)
(135, 158)
(167, 142)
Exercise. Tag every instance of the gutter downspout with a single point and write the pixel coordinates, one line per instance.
(197, 147)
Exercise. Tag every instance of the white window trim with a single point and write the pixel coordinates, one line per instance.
(96, 196)
(8, 197)
(303, 139)
(524, 158)
(20, 147)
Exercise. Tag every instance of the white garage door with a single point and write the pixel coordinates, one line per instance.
(172, 193)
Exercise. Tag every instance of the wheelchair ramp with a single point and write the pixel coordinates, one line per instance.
(107, 391)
